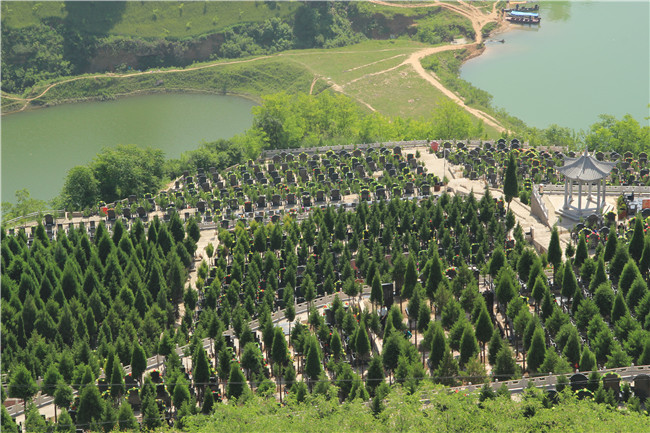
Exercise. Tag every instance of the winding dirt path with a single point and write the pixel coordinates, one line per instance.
(478, 20)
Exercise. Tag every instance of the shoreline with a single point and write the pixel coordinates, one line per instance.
(135, 93)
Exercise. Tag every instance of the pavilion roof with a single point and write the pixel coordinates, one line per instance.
(585, 168)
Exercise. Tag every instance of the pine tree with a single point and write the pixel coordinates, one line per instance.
(510, 184)
(117, 380)
(644, 359)
(150, 414)
(447, 372)
(279, 348)
(208, 403)
(612, 244)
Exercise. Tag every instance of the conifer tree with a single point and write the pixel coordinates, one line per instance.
(375, 375)
(587, 360)
(581, 251)
(618, 262)
(611, 245)
(236, 382)
(599, 277)
(484, 329)
(510, 184)
(468, 345)
(619, 308)
(313, 366)
(635, 247)
(537, 351)
(554, 254)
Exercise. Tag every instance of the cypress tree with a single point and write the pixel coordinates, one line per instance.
(505, 367)
(572, 349)
(335, 345)
(599, 277)
(569, 283)
(644, 262)
(117, 380)
(468, 345)
(618, 262)
(635, 247)
(510, 184)
(629, 274)
(410, 279)
(604, 298)
(484, 329)
(619, 309)
(138, 361)
(438, 346)
(375, 375)
(554, 254)
(587, 360)
(377, 293)
(201, 373)
(581, 251)
(391, 351)
(313, 366)
(236, 382)
(636, 293)
(612, 244)
(537, 350)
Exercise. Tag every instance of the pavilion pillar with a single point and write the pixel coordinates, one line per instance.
(604, 181)
(598, 196)
(566, 192)
(579, 195)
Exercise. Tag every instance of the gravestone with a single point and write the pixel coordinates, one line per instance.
(642, 386)
(336, 195)
(291, 199)
(261, 201)
(276, 200)
(388, 290)
(578, 381)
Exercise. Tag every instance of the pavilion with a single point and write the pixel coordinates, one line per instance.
(585, 171)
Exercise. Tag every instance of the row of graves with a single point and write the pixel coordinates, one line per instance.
(290, 184)
(489, 161)
(585, 387)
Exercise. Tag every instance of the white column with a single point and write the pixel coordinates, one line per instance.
(579, 195)
(604, 186)
(566, 193)
(598, 197)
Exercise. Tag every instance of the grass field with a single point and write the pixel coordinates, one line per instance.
(358, 70)
(146, 19)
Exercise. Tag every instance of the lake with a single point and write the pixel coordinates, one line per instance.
(40, 146)
(584, 59)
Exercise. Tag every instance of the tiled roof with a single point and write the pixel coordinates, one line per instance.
(585, 168)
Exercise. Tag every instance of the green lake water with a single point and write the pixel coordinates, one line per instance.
(40, 146)
(584, 59)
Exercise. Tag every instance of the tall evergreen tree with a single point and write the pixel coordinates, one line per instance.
(138, 361)
(537, 350)
(468, 345)
(484, 329)
(510, 184)
(611, 245)
(22, 385)
(554, 254)
(599, 277)
(313, 366)
(635, 247)
(236, 382)
(375, 375)
(581, 251)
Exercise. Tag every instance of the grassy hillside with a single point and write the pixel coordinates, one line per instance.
(146, 19)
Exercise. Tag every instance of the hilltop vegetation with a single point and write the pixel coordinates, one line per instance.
(79, 37)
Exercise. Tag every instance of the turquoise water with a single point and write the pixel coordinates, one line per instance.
(40, 146)
(584, 59)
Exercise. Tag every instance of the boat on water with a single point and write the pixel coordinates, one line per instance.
(523, 17)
